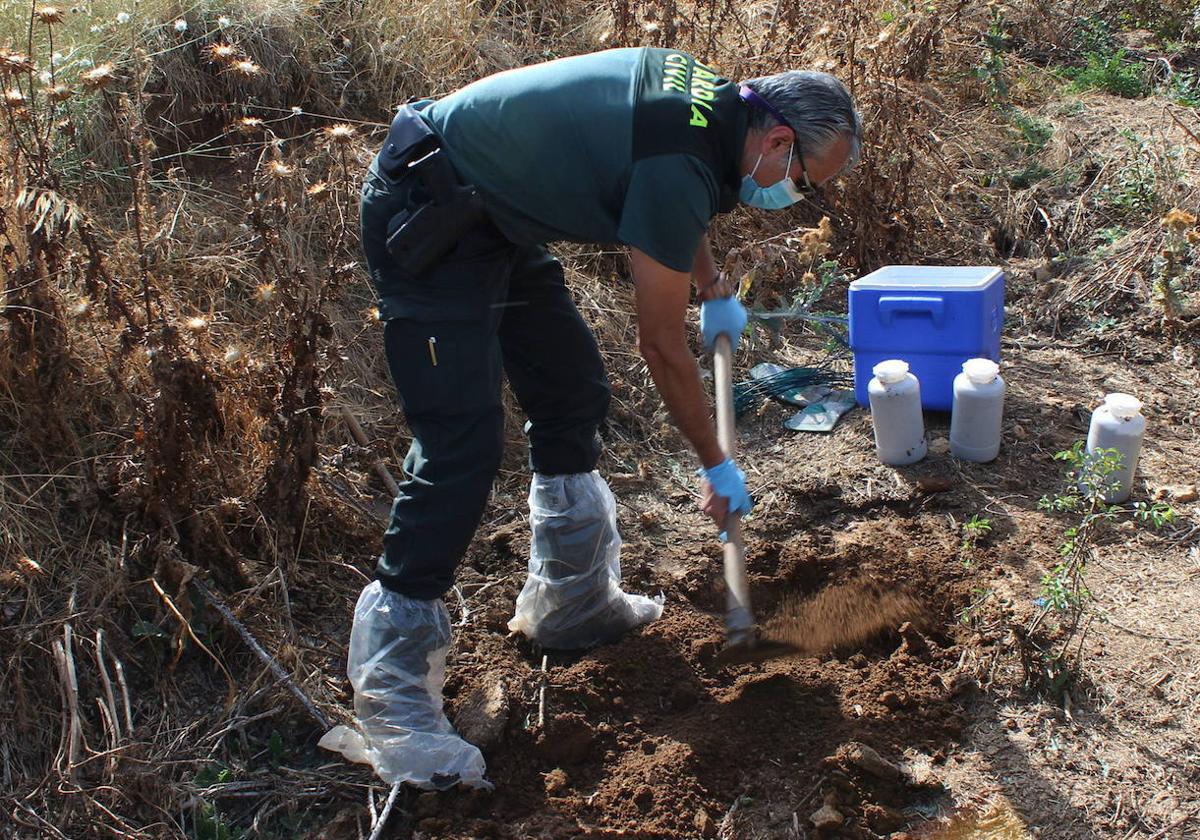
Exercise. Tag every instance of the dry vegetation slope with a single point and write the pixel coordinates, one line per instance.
(185, 328)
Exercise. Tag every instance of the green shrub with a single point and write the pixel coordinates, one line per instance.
(1110, 73)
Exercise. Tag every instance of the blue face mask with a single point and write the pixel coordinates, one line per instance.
(778, 196)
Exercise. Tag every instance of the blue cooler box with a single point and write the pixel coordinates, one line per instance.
(933, 317)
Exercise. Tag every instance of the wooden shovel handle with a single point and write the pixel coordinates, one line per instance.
(739, 616)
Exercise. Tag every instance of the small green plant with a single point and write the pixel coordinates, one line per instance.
(980, 595)
(210, 824)
(973, 530)
(990, 70)
(1093, 34)
(1050, 663)
(1112, 73)
(1184, 88)
(1035, 131)
(1134, 192)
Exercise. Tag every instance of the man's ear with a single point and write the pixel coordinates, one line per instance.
(777, 138)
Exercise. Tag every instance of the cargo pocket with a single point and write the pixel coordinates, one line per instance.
(444, 367)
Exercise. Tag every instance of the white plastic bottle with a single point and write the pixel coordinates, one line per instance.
(1118, 424)
(895, 397)
(978, 411)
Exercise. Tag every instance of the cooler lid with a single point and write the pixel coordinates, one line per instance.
(959, 277)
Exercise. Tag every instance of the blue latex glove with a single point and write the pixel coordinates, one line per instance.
(722, 315)
(729, 482)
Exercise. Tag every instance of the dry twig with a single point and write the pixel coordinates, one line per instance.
(276, 669)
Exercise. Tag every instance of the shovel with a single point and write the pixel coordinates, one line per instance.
(743, 642)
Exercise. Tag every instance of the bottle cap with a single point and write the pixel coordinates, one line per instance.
(890, 371)
(981, 371)
(1123, 406)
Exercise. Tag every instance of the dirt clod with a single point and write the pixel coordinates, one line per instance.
(914, 643)
(869, 761)
(556, 781)
(827, 818)
(1178, 493)
(484, 714)
(706, 826)
(931, 484)
(568, 739)
(643, 798)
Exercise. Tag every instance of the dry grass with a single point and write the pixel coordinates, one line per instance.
(183, 320)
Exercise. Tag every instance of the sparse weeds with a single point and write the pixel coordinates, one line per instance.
(974, 530)
(1135, 190)
(1052, 657)
(1112, 73)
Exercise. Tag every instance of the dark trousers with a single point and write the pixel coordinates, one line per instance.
(489, 307)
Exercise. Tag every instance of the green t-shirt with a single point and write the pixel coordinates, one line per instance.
(639, 146)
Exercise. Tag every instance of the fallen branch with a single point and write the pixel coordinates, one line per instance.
(276, 669)
(64, 656)
(361, 438)
(109, 698)
(377, 832)
(542, 696)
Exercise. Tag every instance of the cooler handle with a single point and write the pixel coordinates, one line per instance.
(889, 305)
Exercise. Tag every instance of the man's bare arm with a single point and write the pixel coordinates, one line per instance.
(662, 298)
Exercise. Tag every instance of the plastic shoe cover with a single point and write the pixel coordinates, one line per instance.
(397, 664)
(572, 598)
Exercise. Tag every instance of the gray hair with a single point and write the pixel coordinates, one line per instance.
(817, 106)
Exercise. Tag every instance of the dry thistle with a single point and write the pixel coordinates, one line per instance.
(49, 15)
(222, 53)
(319, 191)
(58, 93)
(80, 308)
(1177, 221)
(234, 354)
(245, 68)
(28, 566)
(14, 98)
(196, 324)
(99, 77)
(249, 125)
(266, 292)
(11, 62)
(279, 169)
(340, 134)
(230, 505)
